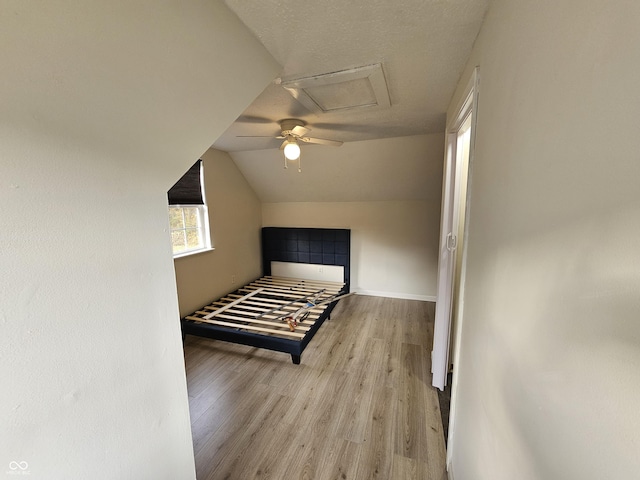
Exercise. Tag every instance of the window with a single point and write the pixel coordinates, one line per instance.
(188, 216)
(187, 228)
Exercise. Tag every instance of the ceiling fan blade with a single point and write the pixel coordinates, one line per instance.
(299, 131)
(255, 120)
(255, 136)
(321, 141)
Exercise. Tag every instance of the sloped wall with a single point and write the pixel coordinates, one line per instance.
(104, 104)
(386, 169)
(547, 378)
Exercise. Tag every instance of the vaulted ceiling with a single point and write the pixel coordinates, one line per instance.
(422, 46)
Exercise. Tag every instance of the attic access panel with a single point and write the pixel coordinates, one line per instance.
(347, 89)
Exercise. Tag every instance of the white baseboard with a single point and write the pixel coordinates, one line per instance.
(404, 296)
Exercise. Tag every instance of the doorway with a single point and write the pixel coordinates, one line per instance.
(459, 152)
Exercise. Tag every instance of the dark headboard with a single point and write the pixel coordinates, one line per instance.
(323, 246)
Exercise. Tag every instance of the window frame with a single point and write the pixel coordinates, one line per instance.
(202, 229)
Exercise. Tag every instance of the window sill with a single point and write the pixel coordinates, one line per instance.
(193, 252)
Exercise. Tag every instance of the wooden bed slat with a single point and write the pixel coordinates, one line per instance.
(273, 302)
(303, 325)
(249, 316)
(265, 307)
(256, 301)
(293, 290)
(317, 311)
(269, 292)
(242, 322)
(302, 288)
(268, 319)
(286, 333)
(222, 309)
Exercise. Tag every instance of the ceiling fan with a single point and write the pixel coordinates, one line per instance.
(293, 131)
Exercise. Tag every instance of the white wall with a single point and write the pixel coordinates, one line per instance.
(235, 217)
(548, 383)
(104, 104)
(393, 244)
(386, 191)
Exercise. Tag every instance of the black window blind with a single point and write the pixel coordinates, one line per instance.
(187, 190)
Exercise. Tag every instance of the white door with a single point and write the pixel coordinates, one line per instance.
(454, 195)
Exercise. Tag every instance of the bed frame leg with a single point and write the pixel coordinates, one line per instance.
(295, 359)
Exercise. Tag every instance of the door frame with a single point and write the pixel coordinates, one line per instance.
(472, 89)
(451, 200)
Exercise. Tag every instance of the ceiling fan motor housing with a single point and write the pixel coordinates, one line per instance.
(289, 125)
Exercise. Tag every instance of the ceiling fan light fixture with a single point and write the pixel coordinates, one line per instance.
(292, 150)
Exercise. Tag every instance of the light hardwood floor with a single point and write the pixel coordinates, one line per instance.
(360, 405)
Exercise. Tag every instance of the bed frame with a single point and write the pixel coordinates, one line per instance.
(235, 314)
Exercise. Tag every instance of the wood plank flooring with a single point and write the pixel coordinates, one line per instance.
(359, 406)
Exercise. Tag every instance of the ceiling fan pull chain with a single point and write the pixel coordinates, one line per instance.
(285, 163)
(300, 164)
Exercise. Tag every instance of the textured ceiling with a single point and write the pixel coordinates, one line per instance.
(421, 44)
